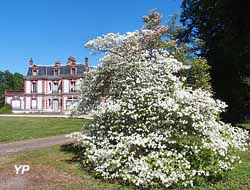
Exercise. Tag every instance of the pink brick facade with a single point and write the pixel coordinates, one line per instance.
(48, 88)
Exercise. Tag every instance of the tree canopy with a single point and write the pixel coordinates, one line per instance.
(223, 27)
(9, 80)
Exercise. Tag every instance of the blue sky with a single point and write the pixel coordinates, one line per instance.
(50, 30)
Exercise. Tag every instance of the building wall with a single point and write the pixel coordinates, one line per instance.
(27, 103)
(33, 104)
(49, 87)
(39, 103)
(64, 102)
(8, 100)
(22, 102)
(16, 102)
(27, 85)
(39, 86)
(44, 100)
(66, 86)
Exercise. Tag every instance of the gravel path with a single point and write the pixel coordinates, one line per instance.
(25, 145)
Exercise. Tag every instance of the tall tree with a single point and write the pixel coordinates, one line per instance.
(224, 28)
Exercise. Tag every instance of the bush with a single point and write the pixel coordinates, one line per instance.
(151, 130)
(6, 109)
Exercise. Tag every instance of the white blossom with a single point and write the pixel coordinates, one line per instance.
(150, 129)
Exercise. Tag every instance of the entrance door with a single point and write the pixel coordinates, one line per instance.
(56, 105)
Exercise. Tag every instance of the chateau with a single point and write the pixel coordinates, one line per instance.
(48, 88)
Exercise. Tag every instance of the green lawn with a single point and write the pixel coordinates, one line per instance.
(15, 128)
(245, 125)
(237, 179)
(59, 168)
(56, 167)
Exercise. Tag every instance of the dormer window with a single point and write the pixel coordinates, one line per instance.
(56, 68)
(56, 72)
(34, 72)
(73, 71)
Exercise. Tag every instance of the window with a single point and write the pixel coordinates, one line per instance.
(50, 103)
(73, 71)
(56, 72)
(50, 87)
(34, 72)
(70, 101)
(55, 86)
(72, 86)
(33, 87)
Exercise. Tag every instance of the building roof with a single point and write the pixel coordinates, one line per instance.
(64, 71)
(47, 71)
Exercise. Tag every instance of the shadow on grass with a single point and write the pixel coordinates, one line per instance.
(77, 157)
(73, 149)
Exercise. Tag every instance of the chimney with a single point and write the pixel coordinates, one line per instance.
(58, 63)
(31, 62)
(71, 60)
(86, 65)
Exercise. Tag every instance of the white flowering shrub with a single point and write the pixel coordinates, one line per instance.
(150, 130)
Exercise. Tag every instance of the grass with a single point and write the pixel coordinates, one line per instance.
(51, 168)
(5, 109)
(245, 125)
(237, 179)
(59, 168)
(15, 128)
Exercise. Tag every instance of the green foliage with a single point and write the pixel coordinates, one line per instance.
(9, 80)
(17, 80)
(6, 109)
(198, 75)
(222, 28)
(153, 20)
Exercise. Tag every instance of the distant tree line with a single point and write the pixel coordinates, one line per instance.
(9, 80)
